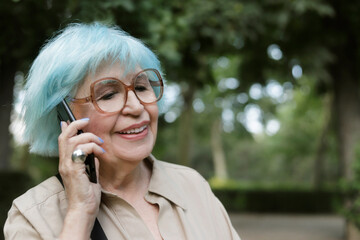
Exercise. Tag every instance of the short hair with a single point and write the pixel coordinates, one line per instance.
(62, 64)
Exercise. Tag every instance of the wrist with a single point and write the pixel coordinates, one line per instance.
(83, 209)
(77, 224)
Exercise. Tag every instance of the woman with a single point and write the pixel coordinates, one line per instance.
(113, 84)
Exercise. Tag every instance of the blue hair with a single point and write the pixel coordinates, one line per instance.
(62, 64)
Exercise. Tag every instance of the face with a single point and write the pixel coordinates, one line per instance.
(128, 135)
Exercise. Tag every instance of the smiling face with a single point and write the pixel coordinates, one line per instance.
(128, 135)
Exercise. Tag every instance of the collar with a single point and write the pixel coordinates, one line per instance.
(163, 183)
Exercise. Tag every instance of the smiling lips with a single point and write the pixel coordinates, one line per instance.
(134, 130)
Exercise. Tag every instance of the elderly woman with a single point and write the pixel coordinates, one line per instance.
(112, 83)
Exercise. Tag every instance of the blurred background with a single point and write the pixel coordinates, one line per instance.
(262, 96)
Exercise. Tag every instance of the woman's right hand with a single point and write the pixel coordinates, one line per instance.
(83, 196)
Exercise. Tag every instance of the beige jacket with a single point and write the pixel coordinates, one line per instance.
(187, 210)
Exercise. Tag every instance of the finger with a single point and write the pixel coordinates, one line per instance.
(78, 156)
(97, 166)
(85, 138)
(69, 168)
(63, 125)
(89, 148)
(73, 128)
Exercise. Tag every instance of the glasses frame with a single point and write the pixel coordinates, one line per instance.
(128, 88)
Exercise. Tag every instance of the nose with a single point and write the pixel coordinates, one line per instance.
(132, 106)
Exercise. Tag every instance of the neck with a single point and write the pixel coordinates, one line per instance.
(125, 178)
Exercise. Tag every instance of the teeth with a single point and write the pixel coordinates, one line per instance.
(135, 130)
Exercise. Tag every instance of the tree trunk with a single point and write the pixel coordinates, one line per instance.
(345, 77)
(185, 129)
(6, 99)
(218, 151)
(347, 107)
(323, 144)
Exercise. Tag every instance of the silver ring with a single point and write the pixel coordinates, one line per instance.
(78, 156)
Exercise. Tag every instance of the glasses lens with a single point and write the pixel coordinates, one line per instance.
(109, 95)
(148, 87)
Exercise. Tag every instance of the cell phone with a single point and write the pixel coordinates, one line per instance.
(64, 114)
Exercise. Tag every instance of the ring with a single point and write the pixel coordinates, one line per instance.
(78, 156)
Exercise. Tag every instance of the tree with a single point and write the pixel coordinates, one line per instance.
(189, 35)
(332, 29)
(25, 26)
(321, 37)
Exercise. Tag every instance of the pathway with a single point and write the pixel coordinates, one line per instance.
(285, 227)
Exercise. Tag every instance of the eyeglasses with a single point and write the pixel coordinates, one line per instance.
(109, 95)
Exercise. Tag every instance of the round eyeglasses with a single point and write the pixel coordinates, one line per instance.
(109, 95)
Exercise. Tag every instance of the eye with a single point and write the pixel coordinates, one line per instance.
(142, 83)
(141, 88)
(107, 96)
(107, 90)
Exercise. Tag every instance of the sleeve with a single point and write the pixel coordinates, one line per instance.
(18, 227)
(222, 222)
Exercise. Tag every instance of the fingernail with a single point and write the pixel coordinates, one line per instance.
(60, 124)
(85, 119)
(102, 141)
(102, 150)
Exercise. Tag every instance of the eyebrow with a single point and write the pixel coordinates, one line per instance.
(131, 74)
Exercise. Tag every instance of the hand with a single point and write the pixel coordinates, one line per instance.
(83, 196)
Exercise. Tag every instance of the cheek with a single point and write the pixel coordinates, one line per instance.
(81, 111)
(88, 111)
(99, 125)
(153, 111)
(154, 115)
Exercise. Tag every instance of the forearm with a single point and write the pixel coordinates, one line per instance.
(77, 225)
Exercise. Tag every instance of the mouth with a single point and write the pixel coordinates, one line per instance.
(134, 130)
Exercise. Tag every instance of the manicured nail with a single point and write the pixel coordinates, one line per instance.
(85, 119)
(60, 124)
(102, 150)
(102, 141)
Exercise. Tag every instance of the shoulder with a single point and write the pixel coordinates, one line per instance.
(48, 190)
(190, 181)
(38, 213)
(188, 189)
(180, 184)
(181, 172)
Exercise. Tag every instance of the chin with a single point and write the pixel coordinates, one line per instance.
(136, 154)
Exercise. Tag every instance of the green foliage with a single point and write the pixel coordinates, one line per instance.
(201, 43)
(352, 190)
(37, 167)
(280, 198)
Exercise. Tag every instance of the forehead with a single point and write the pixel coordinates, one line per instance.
(116, 70)
(107, 70)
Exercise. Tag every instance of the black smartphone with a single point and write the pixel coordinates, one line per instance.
(64, 114)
